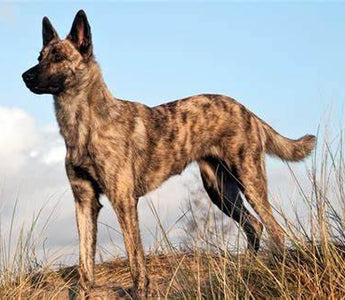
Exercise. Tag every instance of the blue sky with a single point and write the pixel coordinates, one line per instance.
(284, 61)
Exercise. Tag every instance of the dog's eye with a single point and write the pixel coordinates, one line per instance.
(58, 58)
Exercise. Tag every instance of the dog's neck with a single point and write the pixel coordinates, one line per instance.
(73, 110)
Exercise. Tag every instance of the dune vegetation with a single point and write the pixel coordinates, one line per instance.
(311, 266)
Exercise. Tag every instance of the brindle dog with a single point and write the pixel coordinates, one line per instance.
(125, 149)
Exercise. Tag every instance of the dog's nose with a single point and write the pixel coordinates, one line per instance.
(28, 76)
(31, 74)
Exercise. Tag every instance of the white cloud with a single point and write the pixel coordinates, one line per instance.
(54, 155)
(22, 142)
(18, 137)
(7, 13)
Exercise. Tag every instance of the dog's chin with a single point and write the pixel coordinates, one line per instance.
(44, 90)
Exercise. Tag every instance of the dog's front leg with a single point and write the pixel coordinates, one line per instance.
(87, 209)
(127, 214)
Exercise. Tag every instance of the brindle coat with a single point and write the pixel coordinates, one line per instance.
(125, 149)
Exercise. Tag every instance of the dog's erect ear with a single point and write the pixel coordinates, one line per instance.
(80, 34)
(48, 31)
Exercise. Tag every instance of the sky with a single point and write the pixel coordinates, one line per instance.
(284, 61)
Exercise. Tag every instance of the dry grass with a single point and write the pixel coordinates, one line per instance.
(303, 272)
(311, 266)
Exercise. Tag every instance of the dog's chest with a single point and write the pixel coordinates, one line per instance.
(73, 121)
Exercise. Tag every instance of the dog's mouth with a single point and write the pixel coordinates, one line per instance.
(42, 90)
(52, 86)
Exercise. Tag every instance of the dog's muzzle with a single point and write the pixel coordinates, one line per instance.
(30, 78)
(39, 85)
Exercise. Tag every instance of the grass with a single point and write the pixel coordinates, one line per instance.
(311, 266)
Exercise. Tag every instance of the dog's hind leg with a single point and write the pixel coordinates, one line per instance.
(86, 195)
(252, 175)
(224, 191)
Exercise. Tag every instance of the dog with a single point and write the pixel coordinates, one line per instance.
(125, 149)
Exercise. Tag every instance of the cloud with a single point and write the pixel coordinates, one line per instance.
(54, 155)
(24, 143)
(31, 166)
(18, 137)
(7, 13)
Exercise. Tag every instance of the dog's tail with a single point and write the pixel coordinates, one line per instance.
(285, 148)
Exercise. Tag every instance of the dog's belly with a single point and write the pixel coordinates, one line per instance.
(170, 163)
(153, 180)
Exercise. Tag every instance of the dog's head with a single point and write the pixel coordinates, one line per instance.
(61, 63)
